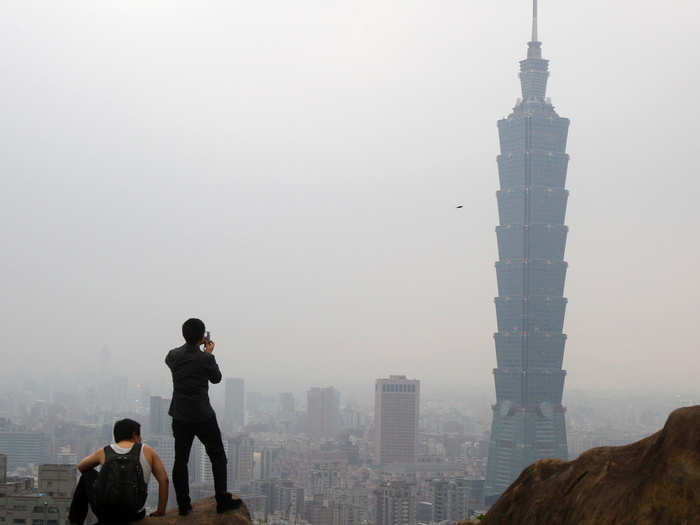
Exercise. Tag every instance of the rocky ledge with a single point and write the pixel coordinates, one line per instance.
(653, 481)
(204, 514)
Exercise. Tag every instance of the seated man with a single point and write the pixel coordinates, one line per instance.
(110, 499)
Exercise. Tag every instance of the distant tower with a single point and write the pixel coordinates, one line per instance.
(323, 412)
(396, 410)
(528, 417)
(234, 409)
(286, 404)
(158, 417)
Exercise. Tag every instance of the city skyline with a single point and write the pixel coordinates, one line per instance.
(275, 463)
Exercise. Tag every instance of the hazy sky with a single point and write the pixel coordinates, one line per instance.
(288, 172)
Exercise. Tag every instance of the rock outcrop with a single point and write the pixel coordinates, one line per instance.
(204, 514)
(653, 481)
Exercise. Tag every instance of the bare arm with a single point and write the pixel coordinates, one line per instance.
(90, 462)
(158, 471)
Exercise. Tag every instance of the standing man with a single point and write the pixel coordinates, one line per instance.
(192, 370)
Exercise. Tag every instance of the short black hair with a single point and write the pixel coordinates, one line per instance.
(125, 428)
(193, 330)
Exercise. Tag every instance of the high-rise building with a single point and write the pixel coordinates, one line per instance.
(323, 412)
(345, 512)
(206, 474)
(319, 511)
(350, 506)
(439, 489)
(396, 410)
(158, 417)
(528, 417)
(450, 499)
(3, 468)
(476, 493)
(164, 444)
(291, 500)
(194, 468)
(23, 448)
(267, 459)
(234, 407)
(286, 404)
(395, 503)
(240, 461)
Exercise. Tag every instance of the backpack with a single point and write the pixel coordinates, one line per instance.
(120, 490)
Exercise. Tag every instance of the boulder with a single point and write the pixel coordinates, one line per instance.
(653, 481)
(204, 513)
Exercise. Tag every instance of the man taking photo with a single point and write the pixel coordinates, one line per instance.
(192, 370)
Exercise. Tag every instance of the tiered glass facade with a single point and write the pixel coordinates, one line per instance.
(528, 417)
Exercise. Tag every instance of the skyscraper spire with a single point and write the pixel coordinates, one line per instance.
(528, 417)
(534, 20)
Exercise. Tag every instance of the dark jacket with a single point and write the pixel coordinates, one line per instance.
(192, 369)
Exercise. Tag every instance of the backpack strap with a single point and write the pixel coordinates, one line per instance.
(109, 453)
(136, 450)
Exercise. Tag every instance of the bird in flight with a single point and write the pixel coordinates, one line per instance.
(459, 206)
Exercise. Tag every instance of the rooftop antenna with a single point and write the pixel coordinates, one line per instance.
(534, 21)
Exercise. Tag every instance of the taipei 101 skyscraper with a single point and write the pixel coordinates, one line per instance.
(528, 417)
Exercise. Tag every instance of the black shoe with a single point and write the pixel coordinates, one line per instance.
(227, 503)
(184, 511)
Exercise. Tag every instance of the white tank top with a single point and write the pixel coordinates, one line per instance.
(144, 462)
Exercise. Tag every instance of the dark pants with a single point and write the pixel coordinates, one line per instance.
(209, 434)
(84, 496)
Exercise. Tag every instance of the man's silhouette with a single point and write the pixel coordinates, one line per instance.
(192, 370)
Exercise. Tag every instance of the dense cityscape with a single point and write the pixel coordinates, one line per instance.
(305, 458)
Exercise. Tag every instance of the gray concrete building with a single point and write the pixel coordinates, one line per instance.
(24, 448)
(396, 411)
(33, 509)
(239, 451)
(57, 480)
(21, 504)
(395, 503)
(267, 459)
(3, 468)
(234, 405)
(528, 417)
(164, 445)
(286, 404)
(323, 412)
(159, 420)
(450, 499)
